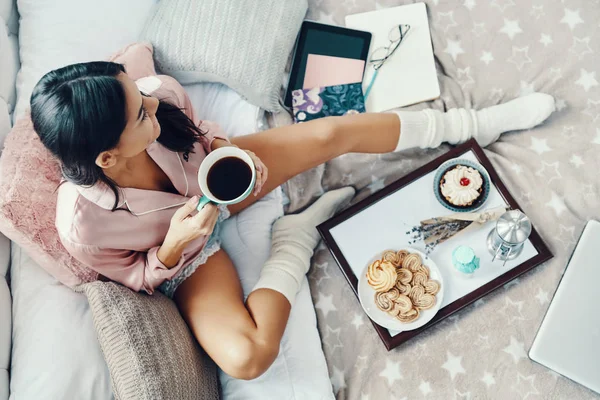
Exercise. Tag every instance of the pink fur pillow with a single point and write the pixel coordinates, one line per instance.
(29, 179)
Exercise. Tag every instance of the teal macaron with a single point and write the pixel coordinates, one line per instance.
(465, 260)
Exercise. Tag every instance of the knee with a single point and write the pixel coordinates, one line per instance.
(248, 359)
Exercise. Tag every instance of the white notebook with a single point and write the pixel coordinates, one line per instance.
(409, 75)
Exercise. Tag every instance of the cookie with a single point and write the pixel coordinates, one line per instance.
(382, 275)
(412, 262)
(410, 316)
(402, 255)
(404, 275)
(392, 256)
(431, 287)
(419, 279)
(385, 301)
(403, 289)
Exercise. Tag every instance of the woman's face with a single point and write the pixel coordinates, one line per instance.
(142, 127)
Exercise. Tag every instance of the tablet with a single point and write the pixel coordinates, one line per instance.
(326, 40)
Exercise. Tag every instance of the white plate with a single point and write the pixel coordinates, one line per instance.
(366, 295)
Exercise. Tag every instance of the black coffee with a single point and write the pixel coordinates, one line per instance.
(229, 178)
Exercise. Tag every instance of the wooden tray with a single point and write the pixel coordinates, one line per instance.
(351, 245)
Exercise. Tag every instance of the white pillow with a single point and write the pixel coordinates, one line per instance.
(55, 33)
(216, 102)
(55, 353)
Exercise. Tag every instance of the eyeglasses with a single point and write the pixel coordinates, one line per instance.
(381, 54)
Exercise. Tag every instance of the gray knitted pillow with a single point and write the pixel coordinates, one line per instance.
(150, 352)
(244, 44)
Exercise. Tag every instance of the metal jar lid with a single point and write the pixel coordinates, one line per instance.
(513, 227)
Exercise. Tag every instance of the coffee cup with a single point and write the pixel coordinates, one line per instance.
(226, 176)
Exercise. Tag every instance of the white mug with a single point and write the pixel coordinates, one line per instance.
(209, 161)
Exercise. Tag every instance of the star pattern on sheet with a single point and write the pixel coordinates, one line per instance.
(470, 4)
(453, 48)
(546, 40)
(568, 132)
(358, 320)
(453, 365)
(425, 388)
(361, 363)
(581, 47)
(597, 138)
(338, 380)
(587, 80)
(347, 179)
(537, 11)
(511, 28)
(566, 235)
(540, 146)
(542, 296)
(512, 310)
(391, 372)
(516, 350)
(576, 160)
(525, 197)
(571, 18)
(487, 57)
(592, 109)
(525, 386)
(517, 168)
(483, 342)
(455, 330)
(549, 171)
(557, 204)
(488, 379)
(446, 20)
(325, 304)
(376, 184)
(502, 4)
(478, 29)
(464, 77)
(520, 57)
(332, 338)
(320, 272)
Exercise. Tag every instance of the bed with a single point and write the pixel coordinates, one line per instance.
(486, 53)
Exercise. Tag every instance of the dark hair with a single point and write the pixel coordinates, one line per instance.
(79, 111)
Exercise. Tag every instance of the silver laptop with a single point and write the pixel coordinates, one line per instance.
(568, 341)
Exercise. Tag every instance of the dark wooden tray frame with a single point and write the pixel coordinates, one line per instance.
(543, 255)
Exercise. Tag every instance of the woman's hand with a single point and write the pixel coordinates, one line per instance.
(262, 172)
(185, 227)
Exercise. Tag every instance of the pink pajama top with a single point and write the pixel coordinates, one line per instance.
(120, 245)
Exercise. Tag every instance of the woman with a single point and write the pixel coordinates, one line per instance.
(127, 207)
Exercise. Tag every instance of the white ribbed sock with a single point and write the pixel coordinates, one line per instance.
(294, 240)
(430, 128)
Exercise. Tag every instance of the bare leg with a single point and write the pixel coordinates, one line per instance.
(242, 339)
(291, 150)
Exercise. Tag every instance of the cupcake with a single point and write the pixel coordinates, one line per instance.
(461, 186)
(465, 261)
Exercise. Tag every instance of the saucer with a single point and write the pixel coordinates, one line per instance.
(442, 169)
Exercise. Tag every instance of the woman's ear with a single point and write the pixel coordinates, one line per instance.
(106, 159)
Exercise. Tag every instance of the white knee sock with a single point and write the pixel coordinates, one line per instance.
(429, 128)
(294, 240)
